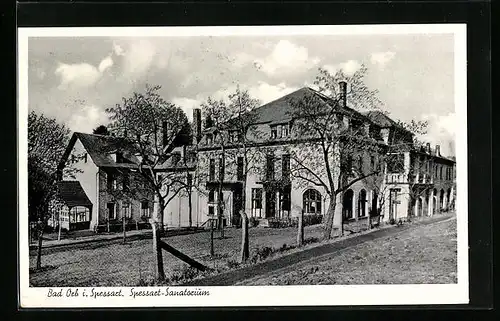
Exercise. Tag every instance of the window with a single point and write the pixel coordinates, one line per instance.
(362, 203)
(285, 202)
(239, 169)
(360, 163)
(274, 132)
(79, 214)
(312, 202)
(257, 202)
(126, 182)
(211, 173)
(285, 130)
(395, 163)
(221, 168)
(270, 167)
(210, 139)
(111, 181)
(211, 196)
(145, 209)
(285, 166)
(234, 136)
(211, 210)
(440, 172)
(111, 211)
(126, 210)
(373, 165)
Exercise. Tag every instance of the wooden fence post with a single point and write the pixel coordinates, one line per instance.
(300, 232)
(245, 252)
(212, 253)
(159, 271)
(124, 225)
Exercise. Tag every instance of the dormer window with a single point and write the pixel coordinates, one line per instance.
(274, 132)
(285, 130)
(234, 136)
(210, 139)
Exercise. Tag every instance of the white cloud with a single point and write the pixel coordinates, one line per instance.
(138, 56)
(187, 105)
(288, 57)
(78, 75)
(441, 130)
(117, 49)
(348, 67)
(382, 58)
(105, 64)
(266, 92)
(87, 118)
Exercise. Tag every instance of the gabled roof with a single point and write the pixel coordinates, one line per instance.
(101, 149)
(72, 194)
(380, 119)
(280, 110)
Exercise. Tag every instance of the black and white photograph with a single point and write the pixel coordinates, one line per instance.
(216, 166)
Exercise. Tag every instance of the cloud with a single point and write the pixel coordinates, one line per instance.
(105, 64)
(87, 118)
(138, 56)
(78, 75)
(117, 49)
(286, 56)
(381, 58)
(266, 92)
(348, 67)
(81, 75)
(441, 130)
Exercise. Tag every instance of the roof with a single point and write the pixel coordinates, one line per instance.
(72, 194)
(102, 147)
(380, 118)
(280, 110)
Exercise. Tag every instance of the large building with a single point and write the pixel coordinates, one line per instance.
(406, 179)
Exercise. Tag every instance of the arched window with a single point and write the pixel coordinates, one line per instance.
(362, 203)
(347, 204)
(312, 202)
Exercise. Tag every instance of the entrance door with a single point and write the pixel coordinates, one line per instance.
(270, 204)
(393, 203)
(235, 217)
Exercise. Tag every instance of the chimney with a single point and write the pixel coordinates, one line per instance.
(438, 150)
(428, 148)
(196, 125)
(343, 93)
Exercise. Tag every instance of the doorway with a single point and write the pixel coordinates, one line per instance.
(270, 204)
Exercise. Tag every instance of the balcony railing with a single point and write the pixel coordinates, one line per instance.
(396, 178)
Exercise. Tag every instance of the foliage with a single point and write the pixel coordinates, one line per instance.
(154, 126)
(101, 130)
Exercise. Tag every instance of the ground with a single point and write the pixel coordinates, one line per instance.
(426, 254)
(420, 254)
(115, 264)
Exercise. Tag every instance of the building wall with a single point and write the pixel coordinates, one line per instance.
(87, 176)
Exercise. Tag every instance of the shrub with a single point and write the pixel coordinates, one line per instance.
(312, 219)
(253, 221)
(183, 274)
(232, 264)
(261, 254)
(392, 221)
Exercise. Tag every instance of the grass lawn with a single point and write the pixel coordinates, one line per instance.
(132, 264)
(426, 254)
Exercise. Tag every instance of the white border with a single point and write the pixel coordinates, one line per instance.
(259, 295)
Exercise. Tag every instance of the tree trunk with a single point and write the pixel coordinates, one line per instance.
(245, 249)
(59, 228)
(124, 226)
(212, 252)
(300, 232)
(159, 271)
(190, 208)
(40, 240)
(329, 219)
(161, 215)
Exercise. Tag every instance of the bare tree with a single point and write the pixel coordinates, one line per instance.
(47, 142)
(154, 126)
(335, 140)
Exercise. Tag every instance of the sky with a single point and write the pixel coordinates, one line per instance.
(74, 79)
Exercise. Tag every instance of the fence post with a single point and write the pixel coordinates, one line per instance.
(300, 232)
(212, 253)
(124, 225)
(159, 272)
(245, 252)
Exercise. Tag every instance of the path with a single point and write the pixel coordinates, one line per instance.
(332, 249)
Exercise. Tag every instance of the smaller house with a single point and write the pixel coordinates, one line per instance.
(72, 209)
